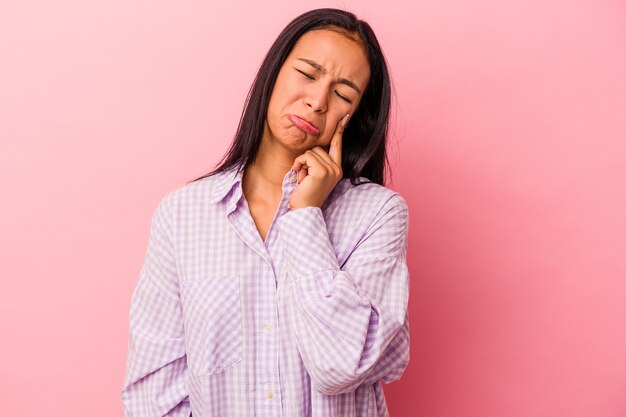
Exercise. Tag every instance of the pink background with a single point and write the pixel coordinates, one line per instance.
(510, 148)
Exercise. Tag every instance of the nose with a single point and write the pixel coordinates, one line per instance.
(317, 97)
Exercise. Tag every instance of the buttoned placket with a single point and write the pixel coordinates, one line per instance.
(271, 245)
(243, 223)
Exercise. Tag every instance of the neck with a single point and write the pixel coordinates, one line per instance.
(263, 179)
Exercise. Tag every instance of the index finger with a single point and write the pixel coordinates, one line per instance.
(336, 141)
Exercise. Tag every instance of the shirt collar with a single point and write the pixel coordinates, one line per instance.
(225, 181)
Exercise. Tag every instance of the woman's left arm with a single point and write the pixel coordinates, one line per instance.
(351, 322)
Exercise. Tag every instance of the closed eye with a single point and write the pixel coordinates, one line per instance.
(305, 74)
(344, 98)
(310, 77)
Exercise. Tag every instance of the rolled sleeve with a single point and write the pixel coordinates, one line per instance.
(351, 323)
(155, 382)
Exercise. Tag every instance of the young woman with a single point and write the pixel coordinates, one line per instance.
(277, 284)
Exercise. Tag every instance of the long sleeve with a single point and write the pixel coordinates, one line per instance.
(351, 322)
(155, 383)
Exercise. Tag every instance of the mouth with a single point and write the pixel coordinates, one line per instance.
(303, 124)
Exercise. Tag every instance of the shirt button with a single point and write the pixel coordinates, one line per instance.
(270, 394)
(267, 327)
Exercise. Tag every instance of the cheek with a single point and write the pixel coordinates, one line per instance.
(279, 91)
(276, 105)
(288, 86)
(335, 114)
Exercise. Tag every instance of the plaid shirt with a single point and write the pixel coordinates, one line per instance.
(308, 322)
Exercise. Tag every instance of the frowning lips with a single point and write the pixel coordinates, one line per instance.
(303, 124)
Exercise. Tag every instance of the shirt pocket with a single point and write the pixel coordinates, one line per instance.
(212, 321)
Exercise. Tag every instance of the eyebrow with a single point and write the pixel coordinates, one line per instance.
(345, 81)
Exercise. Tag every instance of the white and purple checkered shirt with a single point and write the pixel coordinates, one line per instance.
(307, 323)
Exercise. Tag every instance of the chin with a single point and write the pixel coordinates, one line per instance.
(296, 139)
(293, 139)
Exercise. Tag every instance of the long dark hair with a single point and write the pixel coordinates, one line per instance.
(364, 139)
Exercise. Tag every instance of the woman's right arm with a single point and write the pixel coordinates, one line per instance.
(155, 383)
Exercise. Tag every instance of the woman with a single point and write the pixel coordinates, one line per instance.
(277, 284)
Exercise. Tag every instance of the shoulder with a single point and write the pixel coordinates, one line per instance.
(367, 212)
(369, 195)
(367, 207)
(187, 196)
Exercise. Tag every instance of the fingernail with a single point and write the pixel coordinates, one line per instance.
(344, 123)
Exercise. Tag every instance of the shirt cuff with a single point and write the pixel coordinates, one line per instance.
(306, 242)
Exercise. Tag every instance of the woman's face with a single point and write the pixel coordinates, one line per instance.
(321, 81)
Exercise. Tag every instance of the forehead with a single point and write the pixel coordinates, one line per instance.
(335, 52)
